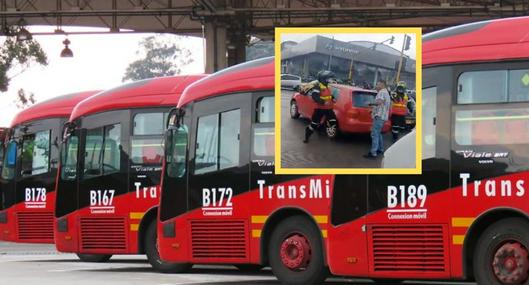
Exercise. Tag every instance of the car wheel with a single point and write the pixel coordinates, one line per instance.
(151, 250)
(94, 257)
(294, 111)
(502, 255)
(295, 252)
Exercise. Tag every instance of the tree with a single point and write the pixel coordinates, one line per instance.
(24, 100)
(17, 56)
(159, 57)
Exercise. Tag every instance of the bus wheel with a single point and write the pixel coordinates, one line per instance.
(502, 255)
(94, 257)
(296, 252)
(294, 111)
(151, 250)
(249, 267)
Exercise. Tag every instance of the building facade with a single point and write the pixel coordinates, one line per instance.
(360, 63)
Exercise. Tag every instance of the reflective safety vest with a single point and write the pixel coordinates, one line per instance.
(399, 106)
(326, 96)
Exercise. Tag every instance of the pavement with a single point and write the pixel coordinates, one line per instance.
(30, 264)
(346, 151)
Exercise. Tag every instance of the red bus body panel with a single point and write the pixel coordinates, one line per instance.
(495, 40)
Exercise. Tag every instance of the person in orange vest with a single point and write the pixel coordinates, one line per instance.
(399, 110)
(320, 91)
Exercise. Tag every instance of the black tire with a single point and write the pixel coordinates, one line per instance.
(94, 257)
(151, 250)
(249, 267)
(493, 238)
(315, 272)
(294, 113)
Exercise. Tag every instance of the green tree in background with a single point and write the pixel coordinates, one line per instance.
(159, 57)
(17, 56)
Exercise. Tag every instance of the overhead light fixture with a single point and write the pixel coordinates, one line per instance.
(23, 34)
(66, 52)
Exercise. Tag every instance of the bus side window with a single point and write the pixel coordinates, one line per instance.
(488, 124)
(93, 150)
(112, 149)
(147, 138)
(36, 153)
(102, 151)
(218, 141)
(429, 117)
(263, 131)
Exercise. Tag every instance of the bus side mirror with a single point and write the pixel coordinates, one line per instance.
(11, 154)
(172, 119)
(168, 141)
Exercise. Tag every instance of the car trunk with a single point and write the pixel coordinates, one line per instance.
(361, 101)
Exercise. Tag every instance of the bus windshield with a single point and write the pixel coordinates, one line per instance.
(8, 169)
(176, 161)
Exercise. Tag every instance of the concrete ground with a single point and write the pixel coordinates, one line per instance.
(26, 264)
(345, 152)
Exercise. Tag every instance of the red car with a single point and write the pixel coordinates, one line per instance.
(352, 110)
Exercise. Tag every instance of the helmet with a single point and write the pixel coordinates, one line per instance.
(403, 84)
(400, 89)
(324, 76)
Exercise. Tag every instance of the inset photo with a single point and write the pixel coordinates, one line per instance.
(349, 100)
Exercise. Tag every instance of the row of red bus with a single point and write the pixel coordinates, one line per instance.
(90, 173)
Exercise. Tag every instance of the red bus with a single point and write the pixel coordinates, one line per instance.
(111, 160)
(28, 175)
(465, 217)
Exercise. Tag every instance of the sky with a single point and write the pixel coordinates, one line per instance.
(397, 44)
(99, 63)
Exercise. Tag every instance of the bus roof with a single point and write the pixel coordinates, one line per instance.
(492, 40)
(60, 106)
(162, 91)
(249, 76)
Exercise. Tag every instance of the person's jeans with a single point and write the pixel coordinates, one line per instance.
(377, 144)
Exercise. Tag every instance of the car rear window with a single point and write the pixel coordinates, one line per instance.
(363, 99)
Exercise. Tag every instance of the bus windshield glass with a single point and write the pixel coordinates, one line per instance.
(8, 169)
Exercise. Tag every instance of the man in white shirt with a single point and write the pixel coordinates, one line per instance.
(380, 114)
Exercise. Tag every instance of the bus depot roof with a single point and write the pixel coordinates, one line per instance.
(249, 76)
(60, 106)
(482, 41)
(162, 91)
